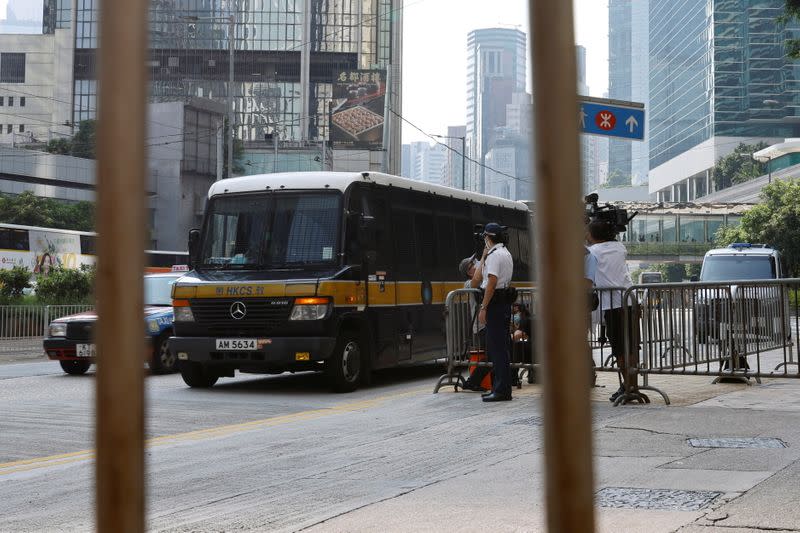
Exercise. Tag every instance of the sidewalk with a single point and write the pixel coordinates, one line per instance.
(13, 350)
(648, 478)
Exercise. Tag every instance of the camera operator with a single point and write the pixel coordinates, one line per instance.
(612, 272)
(494, 273)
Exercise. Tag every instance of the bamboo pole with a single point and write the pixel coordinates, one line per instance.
(559, 233)
(121, 227)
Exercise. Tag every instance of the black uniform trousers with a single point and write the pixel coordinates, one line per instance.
(498, 316)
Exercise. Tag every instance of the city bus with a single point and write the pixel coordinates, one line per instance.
(39, 249)
(333, 271)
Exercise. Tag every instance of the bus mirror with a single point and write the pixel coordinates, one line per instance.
(194, 247)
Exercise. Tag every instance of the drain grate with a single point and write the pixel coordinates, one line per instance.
(738, 442)
(529, 421)
(655, 499)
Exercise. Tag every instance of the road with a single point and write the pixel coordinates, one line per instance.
(269, 453)
(281, 453)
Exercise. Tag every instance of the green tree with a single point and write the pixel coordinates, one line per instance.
(59, 146)
(31, 210)
(791, 12)
(618, 179)
(775, 222)
(84, 143)
(62, 286)
(13, 282)
(739, 166)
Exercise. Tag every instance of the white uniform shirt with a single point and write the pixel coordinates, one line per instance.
(498, 263)
(611, 272)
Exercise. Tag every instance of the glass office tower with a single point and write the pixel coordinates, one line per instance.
(718, 69)
(287, 55)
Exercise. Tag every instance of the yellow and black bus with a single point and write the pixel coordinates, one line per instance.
(340, 272)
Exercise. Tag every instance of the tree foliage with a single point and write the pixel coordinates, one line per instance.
(31, 210)
(739, 166)
(774, 222)
(791, 12)
(62, 286)
(618, 179)
(83, 143)
(13, 282)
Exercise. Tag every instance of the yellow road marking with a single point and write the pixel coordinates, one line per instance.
(24, 465)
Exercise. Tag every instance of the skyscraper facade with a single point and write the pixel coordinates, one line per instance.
(719, 76)
(287, 56)
(495, 71)
(628, 79)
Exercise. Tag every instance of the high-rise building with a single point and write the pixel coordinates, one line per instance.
(495, 71)
(719, 76)
(430, 164)
(590, 145)
(290, 58)
(628, 77)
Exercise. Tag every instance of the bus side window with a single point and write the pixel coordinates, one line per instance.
(448, 256)
(427, 251)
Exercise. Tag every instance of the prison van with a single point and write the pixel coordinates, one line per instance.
(339, 272)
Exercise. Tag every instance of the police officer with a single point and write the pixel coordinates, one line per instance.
(495, 272)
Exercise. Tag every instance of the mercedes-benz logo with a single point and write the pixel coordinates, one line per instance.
(238, 310)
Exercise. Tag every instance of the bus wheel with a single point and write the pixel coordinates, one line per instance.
(163, 361)
(196, 376)
(344, 367)
(75, 368)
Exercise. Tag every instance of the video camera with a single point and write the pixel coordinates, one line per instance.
(477, 235)
(615, 217)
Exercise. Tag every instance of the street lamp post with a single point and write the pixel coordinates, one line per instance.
(231, 20)
(463, 153)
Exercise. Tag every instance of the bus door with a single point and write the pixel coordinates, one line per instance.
(381, 276)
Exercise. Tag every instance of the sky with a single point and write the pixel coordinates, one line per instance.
(435, 54)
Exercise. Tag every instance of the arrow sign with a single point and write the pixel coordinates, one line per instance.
(611, 118)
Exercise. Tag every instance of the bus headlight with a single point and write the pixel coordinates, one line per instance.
(181, 311)
(58, 329)
(310, 309)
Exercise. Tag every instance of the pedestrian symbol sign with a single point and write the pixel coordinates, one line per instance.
(612, 118)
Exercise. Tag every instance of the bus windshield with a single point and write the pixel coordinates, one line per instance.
(275, 230)
(737, 267)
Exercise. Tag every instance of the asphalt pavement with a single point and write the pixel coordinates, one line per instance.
(281, 453)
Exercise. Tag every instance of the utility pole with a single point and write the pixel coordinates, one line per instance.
(231, 31)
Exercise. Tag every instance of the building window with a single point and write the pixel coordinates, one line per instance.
(9, 128)
(22, 101)
(22, 128)
(12, 68)
(10, 101)
(2, 101)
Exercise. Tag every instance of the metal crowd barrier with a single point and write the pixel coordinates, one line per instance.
(738, 330)
(461, 324)
(729, 330)
(22, 327)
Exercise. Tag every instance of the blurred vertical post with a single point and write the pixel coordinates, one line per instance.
(121, 227)
(559, 234)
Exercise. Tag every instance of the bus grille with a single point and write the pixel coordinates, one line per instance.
(264, 316)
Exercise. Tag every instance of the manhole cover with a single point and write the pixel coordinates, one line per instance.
(530, 421)
(738, 442)
(655, 499)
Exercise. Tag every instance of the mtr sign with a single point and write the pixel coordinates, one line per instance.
(611, 118)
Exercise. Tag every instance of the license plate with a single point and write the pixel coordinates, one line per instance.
(242, 345)
(85, 350)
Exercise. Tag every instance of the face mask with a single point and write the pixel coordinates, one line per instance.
(517, 319)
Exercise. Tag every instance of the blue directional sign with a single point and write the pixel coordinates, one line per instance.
(611, 118)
